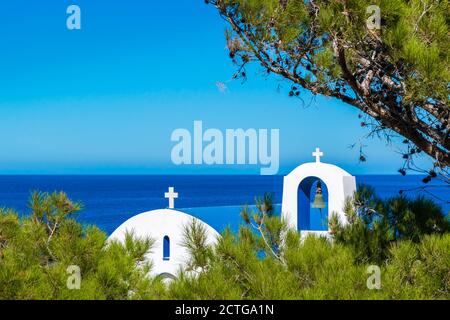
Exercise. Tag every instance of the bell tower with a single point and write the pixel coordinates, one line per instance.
(297, 185)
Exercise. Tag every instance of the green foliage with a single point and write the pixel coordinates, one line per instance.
(374, 224)
(316, 268)
(195, 241)
(420, 270)
(416, 33)
(262, 220)
(264, 260)
(397, 72)
(36, 251)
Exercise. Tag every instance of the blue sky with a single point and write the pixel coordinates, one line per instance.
(106, 98)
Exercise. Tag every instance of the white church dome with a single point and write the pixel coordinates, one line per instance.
(165, 226)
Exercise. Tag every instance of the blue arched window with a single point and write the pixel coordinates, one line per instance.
(310, 218)
(166, 248)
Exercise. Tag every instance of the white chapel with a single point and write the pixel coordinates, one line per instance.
(312, 192)
(165, 226)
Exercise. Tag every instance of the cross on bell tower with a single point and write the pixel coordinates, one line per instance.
(171, 195)
(317, 154)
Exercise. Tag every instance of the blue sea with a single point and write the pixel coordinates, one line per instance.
(110, 200)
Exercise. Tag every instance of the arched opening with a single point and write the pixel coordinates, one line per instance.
(166, 277)
(309, 218)
(166, 248)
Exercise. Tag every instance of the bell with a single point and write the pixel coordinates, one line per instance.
(318, 198)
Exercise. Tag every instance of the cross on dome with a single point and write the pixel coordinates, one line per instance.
(317, 154)
(171, 195)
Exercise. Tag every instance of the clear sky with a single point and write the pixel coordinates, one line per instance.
(105, 99)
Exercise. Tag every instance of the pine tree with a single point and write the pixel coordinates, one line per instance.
(396, 73)
(38, 250)
(261, 261)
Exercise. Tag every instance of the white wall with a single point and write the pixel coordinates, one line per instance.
(157, 224)
(340, 185)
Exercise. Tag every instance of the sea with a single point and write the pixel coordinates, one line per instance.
(109, 200)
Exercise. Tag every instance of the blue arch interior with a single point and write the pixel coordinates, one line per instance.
(166, 248)
(310, 218)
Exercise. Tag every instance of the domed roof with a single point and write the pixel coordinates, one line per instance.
(156, 222)
(161, 225)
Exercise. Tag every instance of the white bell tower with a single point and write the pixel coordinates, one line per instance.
(339, 183)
